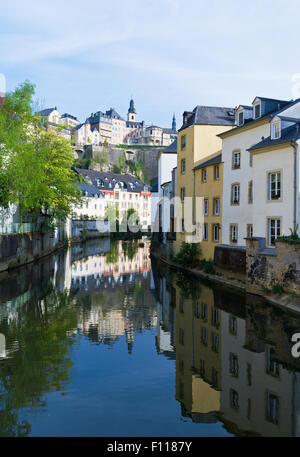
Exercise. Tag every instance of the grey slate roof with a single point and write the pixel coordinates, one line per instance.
(291, 133)
(90, 189)
(46, 112)
(213, 161)
(170, 131)
(172, 148)
(108, 180)
(113, 114)
(210, 115)
(273, 100)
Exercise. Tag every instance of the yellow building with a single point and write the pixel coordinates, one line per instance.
(208, 177)
(197, 141)
(198, 354)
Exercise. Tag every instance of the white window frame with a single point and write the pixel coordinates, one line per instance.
(216, 230)
(204, 175)
(206, 207)
(217, 207)
(241, 113)
(234, 231)
(254, 109)
(277, 227)
(235, 194)
(205, 232)
(217, 172)
(277, 185)
(276, 130)
(236, 164)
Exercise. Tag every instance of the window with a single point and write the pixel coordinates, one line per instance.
(205, 207)
(204, 336)
(182, 225)
(183, 166)
(217, 172)
(232, 325)
(204, 175)
(235, 194)
(205, 232)
(275, 130)
(202, 368)
(249, 374)
(215, 342)
(181, 365)
(233, 365)
(241, 118)
(182, 194)
(257, 111)
(273, 231)
(274, 186)
(272, 364)
(233, 233)
(215, 317)
(250, 192)
(236, 160)
(204, 311)
(214, 377)
(216, 232)
(181, 336)
(216, 206)
(181, 308)
(234, 399)
(249, 231)
(272, 413)
(183, 142)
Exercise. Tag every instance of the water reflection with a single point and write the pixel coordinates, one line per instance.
(233, 358)
(98, 343)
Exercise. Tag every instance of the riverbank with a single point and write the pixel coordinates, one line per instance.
(286, 301)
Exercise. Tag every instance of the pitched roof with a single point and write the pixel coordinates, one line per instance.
(108, 180)
(46, 112)
(210, 115)
(171, 149)
(215, 160)
(273, 100)
(291, 133)
(90, 190)
(113, 114)
(170, 131)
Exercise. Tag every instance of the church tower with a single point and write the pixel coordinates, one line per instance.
(174, 123)
(131, 116)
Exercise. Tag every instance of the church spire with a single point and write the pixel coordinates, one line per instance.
(131, 115)
(174, 123)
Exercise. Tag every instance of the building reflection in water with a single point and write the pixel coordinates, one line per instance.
(233, 357)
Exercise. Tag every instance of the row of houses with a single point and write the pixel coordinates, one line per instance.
(122, 192)
(235, 175)
(110, 127)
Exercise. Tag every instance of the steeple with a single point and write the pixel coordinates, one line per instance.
(174, 122)
(131, 116)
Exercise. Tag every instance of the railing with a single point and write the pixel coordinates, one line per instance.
(7, 229)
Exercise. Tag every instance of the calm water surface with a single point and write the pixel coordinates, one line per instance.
(99, 342)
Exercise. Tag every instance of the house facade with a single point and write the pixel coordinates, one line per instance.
(197, 141)
(208, 177)
(261, 172)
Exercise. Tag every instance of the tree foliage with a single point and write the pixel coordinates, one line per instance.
(35, 162)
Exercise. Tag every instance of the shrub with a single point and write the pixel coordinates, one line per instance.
(278, 289)
(188, 254)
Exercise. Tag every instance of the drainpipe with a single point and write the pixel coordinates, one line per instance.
(194, 186)
(295, 148)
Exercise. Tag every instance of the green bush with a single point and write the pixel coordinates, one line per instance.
(278, 289)
(188, 254)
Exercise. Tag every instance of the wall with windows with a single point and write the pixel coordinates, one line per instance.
(237, 174)
(273, 180)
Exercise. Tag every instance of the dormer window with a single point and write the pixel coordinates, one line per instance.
(241, 118)
(275, 130)
(257, 111)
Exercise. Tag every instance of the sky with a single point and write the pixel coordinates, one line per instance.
(170, 55)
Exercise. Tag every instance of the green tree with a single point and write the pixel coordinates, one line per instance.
(35, 163)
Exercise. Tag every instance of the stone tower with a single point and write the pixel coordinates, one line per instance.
(131, 116)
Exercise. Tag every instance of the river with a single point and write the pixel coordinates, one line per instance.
(97, 341)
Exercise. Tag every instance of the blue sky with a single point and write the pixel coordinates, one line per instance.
(170, 54)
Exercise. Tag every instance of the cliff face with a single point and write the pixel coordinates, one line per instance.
(141, 162)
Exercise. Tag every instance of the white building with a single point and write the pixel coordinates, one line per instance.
(93, 203)
(261, 172)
